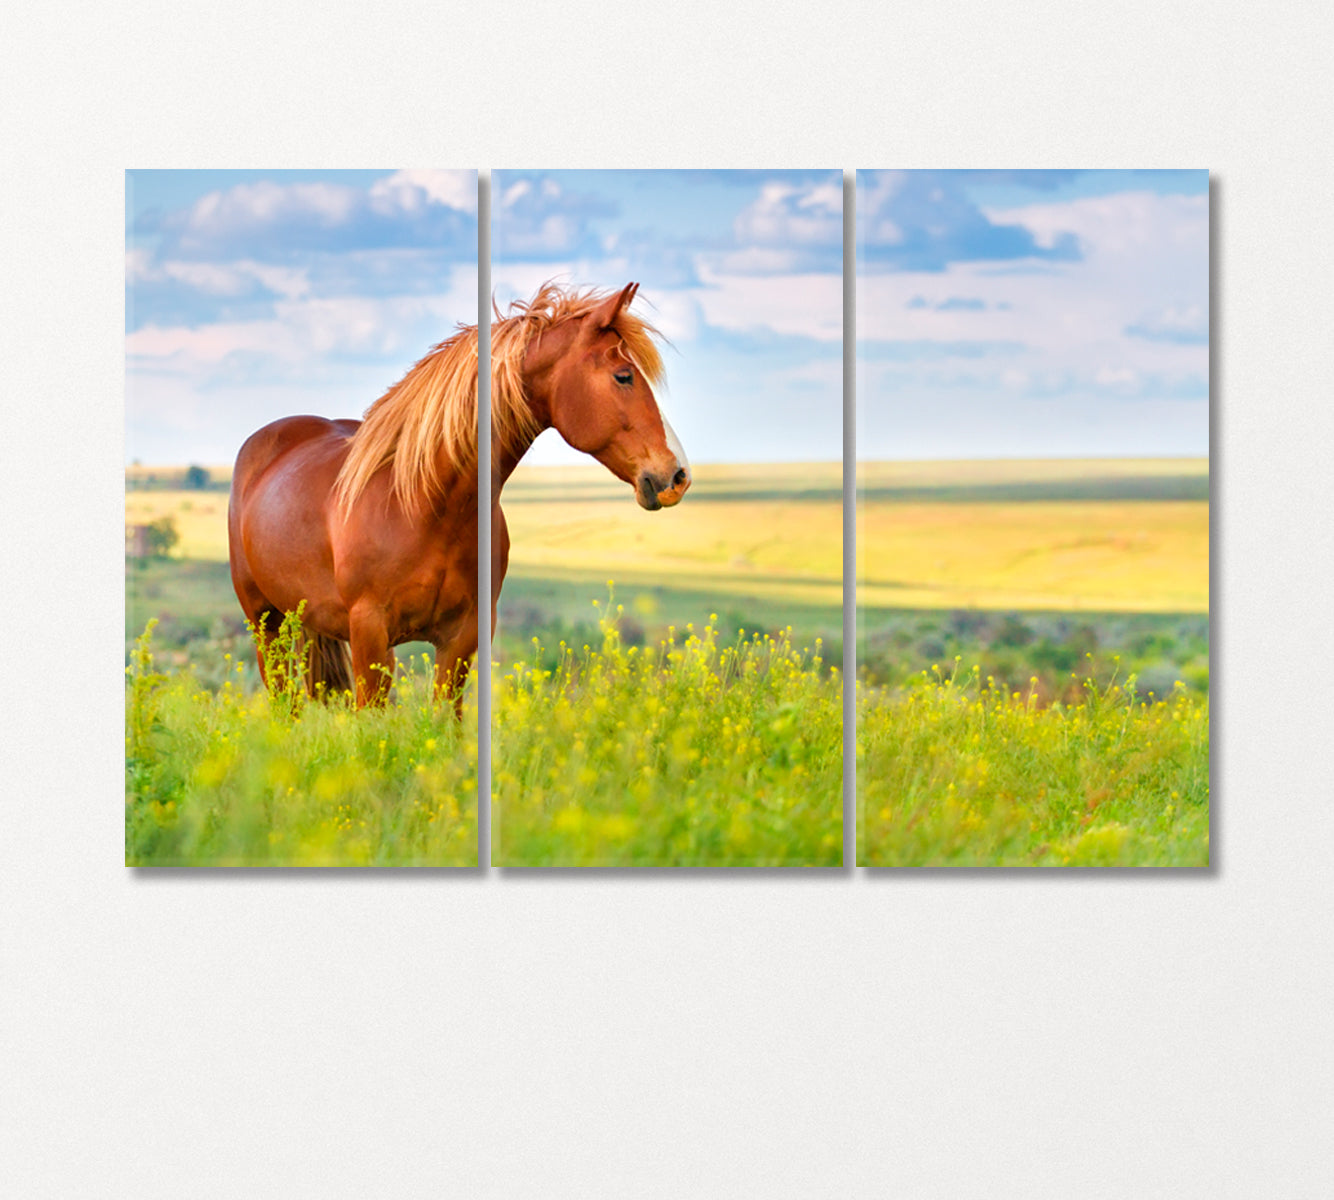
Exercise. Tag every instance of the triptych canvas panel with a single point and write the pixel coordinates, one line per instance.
(653, 490)
(669, 551)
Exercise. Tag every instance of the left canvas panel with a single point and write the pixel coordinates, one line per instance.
(301, 518)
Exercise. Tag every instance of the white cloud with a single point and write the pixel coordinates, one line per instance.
(411, 191)
(251, 205)
(1117, 377)
(520, 280)
(825, 374)
(303, 334)
(407, 204)
(552, 233)
(755, 260)
(1129, 317)
(787, 215)
(230, 278)
(876, 192)
(676, 314)
(792, 305)
(1187, 323)
(514, 193)
(138, 265)
(537, 218)
(1159, 240)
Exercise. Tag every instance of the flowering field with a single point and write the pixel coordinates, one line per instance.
(235, 777)
(957, 772)
(627, 740)
(686, 753)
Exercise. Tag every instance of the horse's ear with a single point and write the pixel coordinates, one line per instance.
(604, 316)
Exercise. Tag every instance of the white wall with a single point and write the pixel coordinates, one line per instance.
(933, 1034)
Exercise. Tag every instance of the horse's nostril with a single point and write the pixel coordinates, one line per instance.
(679, 478)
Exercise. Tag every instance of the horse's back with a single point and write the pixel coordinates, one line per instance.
(265, 447)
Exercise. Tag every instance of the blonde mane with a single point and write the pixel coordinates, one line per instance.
(427, 422)
(423, 424)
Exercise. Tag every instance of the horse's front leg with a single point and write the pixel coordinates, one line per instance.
(453, 657)
(372, 655)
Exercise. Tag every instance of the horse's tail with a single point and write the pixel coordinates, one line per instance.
(330, 665)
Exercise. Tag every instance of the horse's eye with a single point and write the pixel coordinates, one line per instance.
(624, 376)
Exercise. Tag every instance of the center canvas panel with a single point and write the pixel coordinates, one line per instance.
(666, 442)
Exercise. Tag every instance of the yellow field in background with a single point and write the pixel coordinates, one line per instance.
(200, 517)
(923, 542)
(1095, 535)
(769, 531)
(1133, 556)
(1071, 473)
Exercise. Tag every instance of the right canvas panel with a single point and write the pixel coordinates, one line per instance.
(1033, 518)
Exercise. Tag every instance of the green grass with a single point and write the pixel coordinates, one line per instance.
(686, 753)
(960, 773)
(229, 778)
(1067, 571)
(191, 598)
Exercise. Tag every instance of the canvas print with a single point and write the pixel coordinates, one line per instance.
(667, 519)
(301, 517)
(1033, 518)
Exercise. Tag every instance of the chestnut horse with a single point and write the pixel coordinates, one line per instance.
(583, 364)
(373, 524)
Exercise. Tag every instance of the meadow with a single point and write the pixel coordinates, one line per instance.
(221, 774)
(696, 718)
(685, 753)
(1033, 664)
(1035, 568)
(232, 776)
(761, 545)
(957, 771)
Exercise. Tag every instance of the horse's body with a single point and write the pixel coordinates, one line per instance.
(374, 524)
(376, 578)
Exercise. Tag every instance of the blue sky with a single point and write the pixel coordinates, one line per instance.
(1000, 313)
(1032, 313)
(741, 270)
(252, 295)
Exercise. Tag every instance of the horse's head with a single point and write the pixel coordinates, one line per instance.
(600, 394)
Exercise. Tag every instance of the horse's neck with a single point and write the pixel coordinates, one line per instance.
(505, 458)
(503, 463)
(539, 358)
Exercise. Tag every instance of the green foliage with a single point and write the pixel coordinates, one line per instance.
(227, 778)
(684, 754)
(162, 537)
(286, 656)
(963, 772)
(895, 646)
(687, 753)
(141, 702)
(196, 477)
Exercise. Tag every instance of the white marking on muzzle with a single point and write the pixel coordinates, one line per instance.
(674, 445)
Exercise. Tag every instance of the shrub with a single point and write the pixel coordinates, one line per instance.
(162, 537)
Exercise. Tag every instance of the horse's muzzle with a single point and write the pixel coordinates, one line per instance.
(654, 492)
